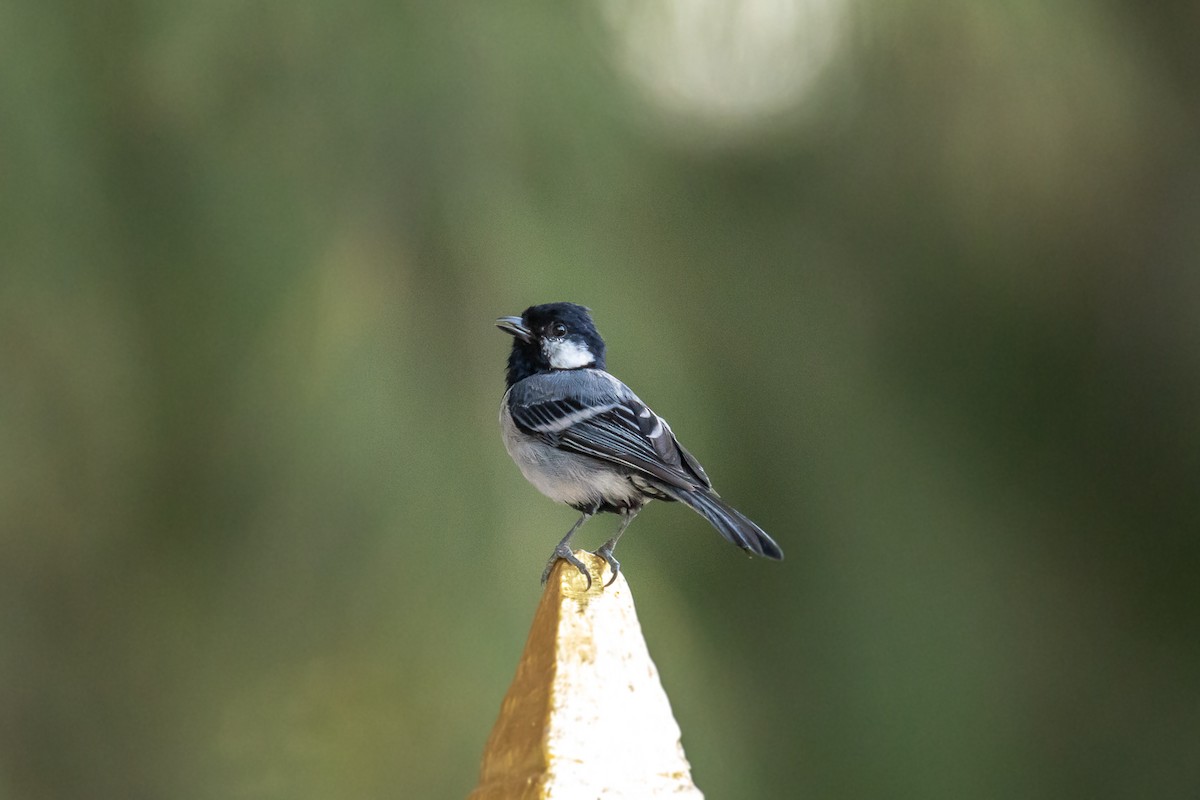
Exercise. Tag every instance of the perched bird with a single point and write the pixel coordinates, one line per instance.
(585, 439)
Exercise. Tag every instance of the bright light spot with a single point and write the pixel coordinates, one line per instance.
(726, 62)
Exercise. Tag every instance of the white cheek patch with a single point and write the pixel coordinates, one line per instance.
(566, 354)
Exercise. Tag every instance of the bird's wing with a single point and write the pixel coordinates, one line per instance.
(591, 412)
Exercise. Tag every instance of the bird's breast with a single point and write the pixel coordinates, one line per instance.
(563, 476)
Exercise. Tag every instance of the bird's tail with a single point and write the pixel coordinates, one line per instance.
(729, 522)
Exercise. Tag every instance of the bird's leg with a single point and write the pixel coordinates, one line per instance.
(564, 552)
(606, 549)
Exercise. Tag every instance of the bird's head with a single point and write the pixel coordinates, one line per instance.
(550, 337)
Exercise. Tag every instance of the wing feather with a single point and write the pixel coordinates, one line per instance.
(598, 416)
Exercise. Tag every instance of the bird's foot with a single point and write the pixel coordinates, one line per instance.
(606, 552)
(563, 551)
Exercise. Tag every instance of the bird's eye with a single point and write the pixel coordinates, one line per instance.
(558, 330)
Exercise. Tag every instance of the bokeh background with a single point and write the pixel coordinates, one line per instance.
(917, 282)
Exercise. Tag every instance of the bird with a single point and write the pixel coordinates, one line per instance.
(583, 438)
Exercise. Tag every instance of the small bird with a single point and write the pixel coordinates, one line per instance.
(583, 438)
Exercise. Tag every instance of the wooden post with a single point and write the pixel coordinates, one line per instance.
(586, 716)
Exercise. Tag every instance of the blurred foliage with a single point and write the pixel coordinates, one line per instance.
(928, 314)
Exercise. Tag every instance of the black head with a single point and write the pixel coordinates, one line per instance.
(552, 337)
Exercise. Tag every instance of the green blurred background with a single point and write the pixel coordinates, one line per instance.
(917, 282)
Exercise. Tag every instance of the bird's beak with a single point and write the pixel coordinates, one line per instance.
(515, 327)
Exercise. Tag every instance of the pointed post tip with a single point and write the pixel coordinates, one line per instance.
(586, 714)
(568, 581)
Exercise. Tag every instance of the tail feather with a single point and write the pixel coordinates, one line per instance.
(729, 522)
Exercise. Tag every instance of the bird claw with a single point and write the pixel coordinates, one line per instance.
(563, 551)
(606, 552)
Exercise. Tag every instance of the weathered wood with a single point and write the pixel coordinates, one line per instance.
(586, 716)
